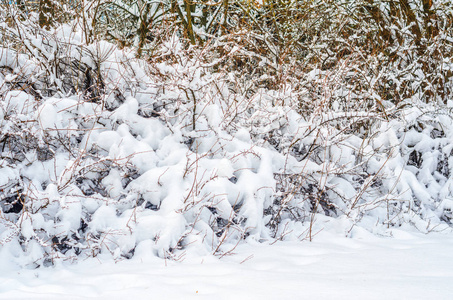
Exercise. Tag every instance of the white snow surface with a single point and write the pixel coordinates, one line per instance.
(405, 266)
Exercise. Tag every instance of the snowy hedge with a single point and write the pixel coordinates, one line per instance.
(106, 153)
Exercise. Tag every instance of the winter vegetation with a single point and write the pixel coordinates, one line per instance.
(164, 126)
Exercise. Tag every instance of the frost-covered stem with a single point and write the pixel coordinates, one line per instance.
(312, 221)
(194, 116)
(143, 29)
(225, 15)
(322, 185)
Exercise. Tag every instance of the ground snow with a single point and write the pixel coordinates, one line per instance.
(407, 266)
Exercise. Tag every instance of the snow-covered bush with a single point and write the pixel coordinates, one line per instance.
(106, 153)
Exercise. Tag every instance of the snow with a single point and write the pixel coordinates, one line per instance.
(406, 266)
(123, 177)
